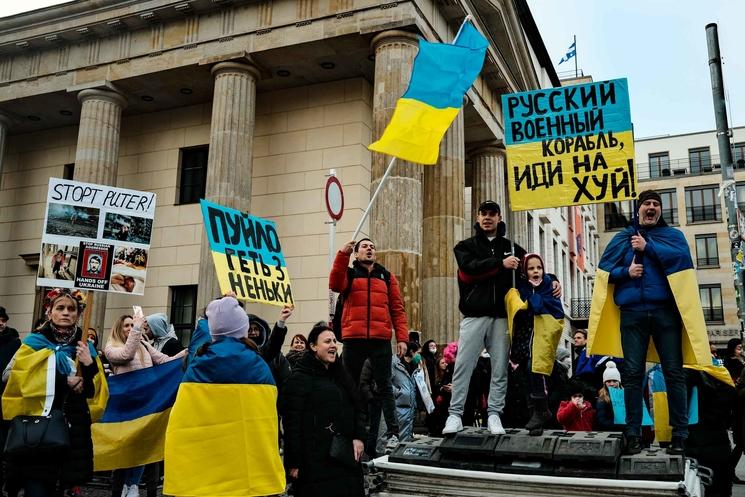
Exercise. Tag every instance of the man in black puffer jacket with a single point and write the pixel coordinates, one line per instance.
(486, 262)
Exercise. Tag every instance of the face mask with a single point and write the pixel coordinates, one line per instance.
(416, 359)
(433, 349)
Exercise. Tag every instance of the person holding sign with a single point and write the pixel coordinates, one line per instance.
(485, 265)
(372, 307)
(646, 288)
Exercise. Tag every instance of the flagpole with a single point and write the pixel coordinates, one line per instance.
(576, 71)
(375, 195)
(462, 25)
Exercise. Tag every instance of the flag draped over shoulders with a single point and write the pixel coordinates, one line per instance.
(441, 76)
(222, 435)
(671, 248)
(132, 430)
(31, 385)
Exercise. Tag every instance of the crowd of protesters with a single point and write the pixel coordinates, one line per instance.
(332, 406)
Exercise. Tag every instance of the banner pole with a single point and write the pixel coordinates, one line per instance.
(468, 18)
(375, 195)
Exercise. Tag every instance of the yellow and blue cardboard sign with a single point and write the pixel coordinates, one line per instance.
(569, 146)
(248, 255)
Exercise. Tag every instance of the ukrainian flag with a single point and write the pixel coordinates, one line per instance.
(671, 248)
(132, 431)
(222, 435)
(548, 324)
(441, 76)
(30, 388)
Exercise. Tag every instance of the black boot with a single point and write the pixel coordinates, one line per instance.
(541, 416)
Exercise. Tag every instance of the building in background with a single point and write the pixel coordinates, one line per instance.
(249, 104)
(686, 171)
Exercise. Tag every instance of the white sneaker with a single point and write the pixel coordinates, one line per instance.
(391, 445)
(125, 490)
(452, 425)
(495, 425)
(134, 491)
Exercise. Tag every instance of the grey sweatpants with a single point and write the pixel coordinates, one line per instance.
(475, 335)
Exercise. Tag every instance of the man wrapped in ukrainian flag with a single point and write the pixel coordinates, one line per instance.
(646, 291)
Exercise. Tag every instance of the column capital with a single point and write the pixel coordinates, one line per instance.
(106, 95)
(394, 36)
(237, 67)
(5, 120)
(496, 148)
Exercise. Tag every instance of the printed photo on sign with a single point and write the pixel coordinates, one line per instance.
(58, 262)
(95, 266)
(72, 220)
(127, 228)
(128, 271)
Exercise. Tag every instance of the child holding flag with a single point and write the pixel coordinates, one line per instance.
(536, 333)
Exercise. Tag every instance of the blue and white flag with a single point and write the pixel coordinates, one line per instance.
(571, 52)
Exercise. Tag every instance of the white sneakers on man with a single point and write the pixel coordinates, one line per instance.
(452, 425)
(130, 491)
(495, 425)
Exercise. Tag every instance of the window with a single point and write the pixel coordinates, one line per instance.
(669, 206)
(618, 214)
(192, 174)
(738, 155)
(530, 232)
(707, 254)
(700, 160)
(541, 241)
(184, 311)
(741, 196)
(702, 204)
(659, 164)
(69, 171)
(711, 302)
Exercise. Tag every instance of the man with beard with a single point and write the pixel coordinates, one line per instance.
(646, 287)
(372, 308)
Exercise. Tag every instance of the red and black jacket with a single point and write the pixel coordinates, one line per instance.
(373, 308)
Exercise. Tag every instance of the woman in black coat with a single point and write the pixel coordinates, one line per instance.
(43, 476)
(320, 400)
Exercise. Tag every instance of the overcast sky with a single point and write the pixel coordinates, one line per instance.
(660, 46)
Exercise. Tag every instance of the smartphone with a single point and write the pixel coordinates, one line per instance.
(137, 310)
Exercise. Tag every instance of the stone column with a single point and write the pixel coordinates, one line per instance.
(230, 161)
(489, 181)
(96, 161)
(4, 126)
(396, 217)
(443, 227)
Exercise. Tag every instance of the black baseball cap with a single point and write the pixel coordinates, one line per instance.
(3, 314)
(490, 205)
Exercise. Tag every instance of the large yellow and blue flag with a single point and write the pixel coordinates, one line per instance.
(671, 249)
(441, 75)
(132, 430)
(222, 435)
(31, 386)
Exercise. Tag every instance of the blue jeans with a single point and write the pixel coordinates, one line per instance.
(132, 476)
(665, 329)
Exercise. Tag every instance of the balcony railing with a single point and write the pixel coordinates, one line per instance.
(682, 167)
(580, 308)
(704, 213)
(707, 262)
(714, 314)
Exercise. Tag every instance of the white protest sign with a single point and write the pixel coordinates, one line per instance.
(96, 237)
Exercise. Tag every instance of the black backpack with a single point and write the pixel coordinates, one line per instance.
(339, 307)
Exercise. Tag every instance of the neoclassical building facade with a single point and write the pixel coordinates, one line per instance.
(250, 104)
